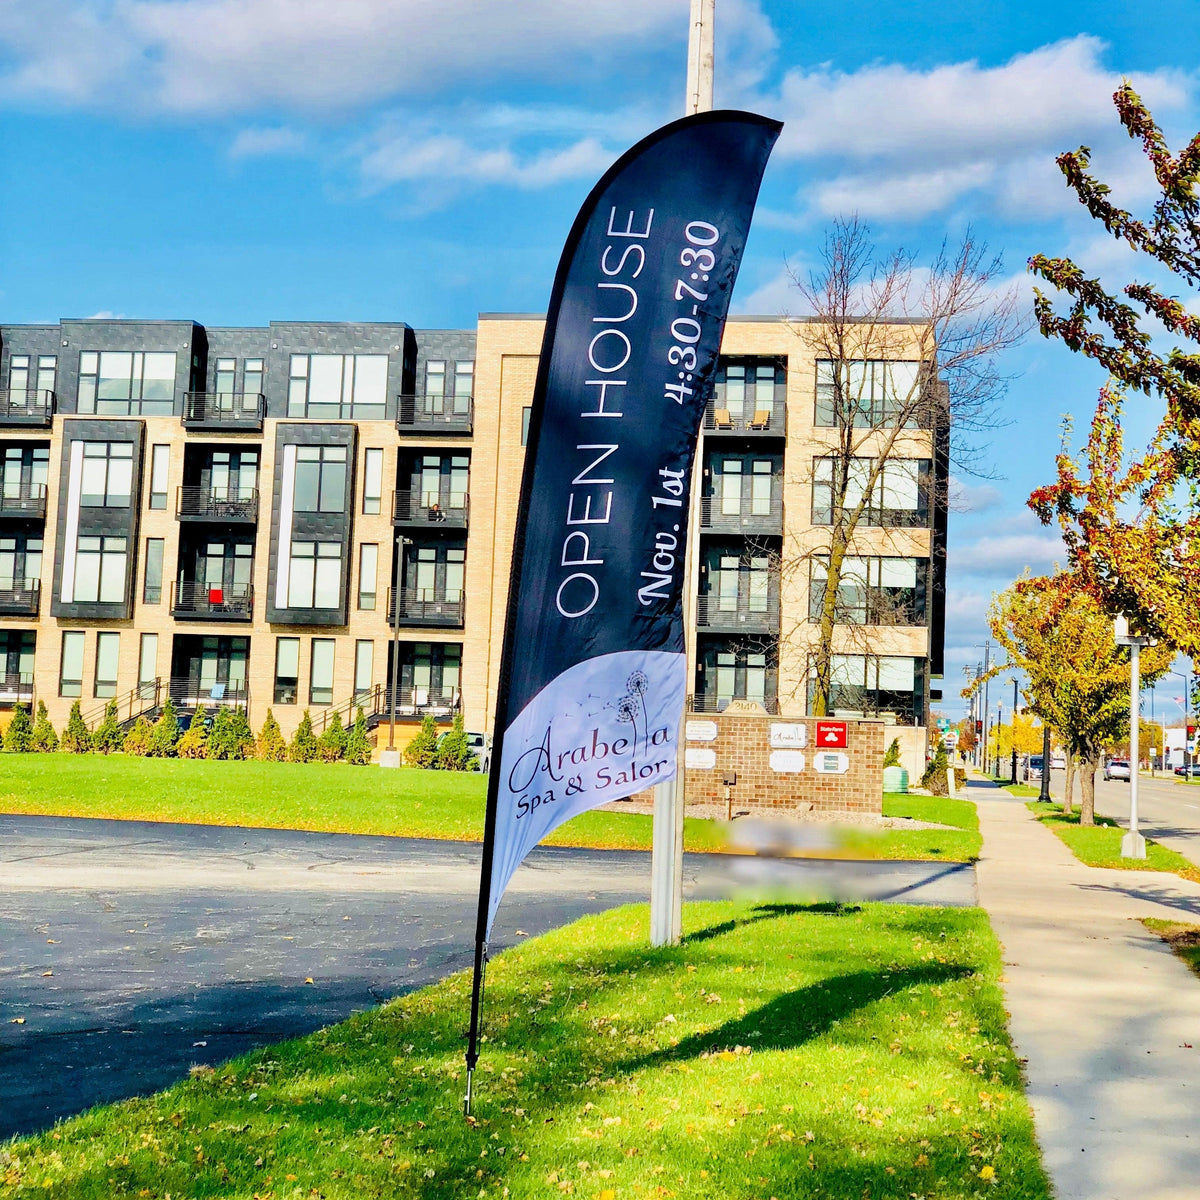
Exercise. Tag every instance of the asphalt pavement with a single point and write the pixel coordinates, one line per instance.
(130, 951)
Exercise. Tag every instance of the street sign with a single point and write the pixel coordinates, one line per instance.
(952, 740)
(831, 735)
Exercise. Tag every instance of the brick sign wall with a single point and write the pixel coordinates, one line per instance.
(775, 763)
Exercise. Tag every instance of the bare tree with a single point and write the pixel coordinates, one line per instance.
(906, 354)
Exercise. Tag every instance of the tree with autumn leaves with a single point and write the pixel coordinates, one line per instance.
(1131, 521)
(1057, 633)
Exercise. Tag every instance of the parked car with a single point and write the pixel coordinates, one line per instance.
(1058, 761)
(481, 747)
(1033, 768)
(1118, 768)
(1192, 770)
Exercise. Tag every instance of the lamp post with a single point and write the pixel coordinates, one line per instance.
(1133, 845)
(1044, 790)
(1014, 733)
(1186, 676)
(391, 756)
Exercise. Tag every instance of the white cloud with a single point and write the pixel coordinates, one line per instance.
(1006, 555)
(974, 497)
(256, 143)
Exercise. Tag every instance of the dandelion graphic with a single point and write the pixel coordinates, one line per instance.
(632, 704)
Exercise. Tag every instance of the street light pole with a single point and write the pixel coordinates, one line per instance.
(1133, 845)
(987, 654)
(1044, 790)
(1014, 733)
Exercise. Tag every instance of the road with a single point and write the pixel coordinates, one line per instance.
(130, 951)
(1168, 812)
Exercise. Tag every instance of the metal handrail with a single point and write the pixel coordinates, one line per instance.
(27, 406)
(712, 517)
(205, 600)
(372, 701)
(426, 606)
(28, 500)
(707, 702)
(138, 702)
(709, 615)
(411, 506)
(750, 421)
(234, 409)
(187, 693)
(433, 413)
(22, 597)
(233, 503)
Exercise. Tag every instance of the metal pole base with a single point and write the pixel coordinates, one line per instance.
(467, 1098)
(389, 758)
(1133, 845)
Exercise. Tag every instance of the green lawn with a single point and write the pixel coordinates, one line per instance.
(1100, 845)
(782, 1051)
(1183, 939)
(335, 798)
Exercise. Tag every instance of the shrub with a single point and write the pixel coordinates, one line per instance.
(421, 750)
(194, 743)
(304, 743)
(108, 737)
(331, 745)
(230, 736)
(891, 756)
(358, 746)
(453, 752)
(137, 740)
(76, 739)
(934, 780)
(45, 740)
(241, 736)
(20, 732)
(165, 732)
(271, 746)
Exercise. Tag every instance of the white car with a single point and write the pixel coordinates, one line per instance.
(1058, 761)
(1118, 768)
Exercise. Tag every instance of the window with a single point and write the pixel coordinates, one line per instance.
(108, 648)
(320, 689)
(252, 377)
(320, 482)
(100, 564)
(47, 370)
(900, 496)
(338, 386)
(866, 394)
(31, 382)
(861, 683)
(152, 584)
(124, 383)
(746, 388)
(160, 458)
(225, 376)
(24, 471)
(315, 580)
(735, 672)
(435, 385)
(70, 671)
(429, 674)
(464, 385)
(368, 573)
(232, 475)
(372, 481)
(873, 591)
(20, 564)
(526, 415)
(287, 669)
(147, 665)
(18, 373)
(107, 480)
(364, 656)
(760, 487)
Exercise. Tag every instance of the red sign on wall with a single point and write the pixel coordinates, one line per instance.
(831, 735)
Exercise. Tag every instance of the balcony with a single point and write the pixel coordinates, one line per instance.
(414, 702)
(194, 695)
(710, 702)
(232, 505)
(199, 602)
(425, 606)
(430, 510)
(227, 412)
(425, 416)
(15, 689)
(27, 500)
(748, 519)
(712, 618)
(20, 597)
(26, 408)
(759, 422)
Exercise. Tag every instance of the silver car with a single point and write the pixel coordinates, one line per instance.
(1118, 768)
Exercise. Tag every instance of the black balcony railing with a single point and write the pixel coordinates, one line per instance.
(143, 701)
(431, 510)
(425, 414)
(752, 421)
(426, 606)
(236, 504)
(15, 688)
(710, 702)
(23, 500)
(748, 516)
(762, 618)
(195, 694)
(20, 597)
(27, 407)
(439, 703)
(192, 601)
(232, 411)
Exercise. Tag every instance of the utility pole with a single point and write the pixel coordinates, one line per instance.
(666, 856)
(1014, 733)
(987, 663)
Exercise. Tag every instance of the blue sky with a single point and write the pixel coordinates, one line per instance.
(236, 161)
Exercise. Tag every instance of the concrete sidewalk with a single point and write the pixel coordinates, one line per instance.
(1105, 1015)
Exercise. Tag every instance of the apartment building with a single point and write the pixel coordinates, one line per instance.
(288, 517)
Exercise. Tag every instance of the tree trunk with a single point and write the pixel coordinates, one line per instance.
(1069, 783)
(823, 659)
(1087, 788)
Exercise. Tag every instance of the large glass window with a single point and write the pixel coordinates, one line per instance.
(738, 671)
(100, 565)
(315, 580)
(338, 386)
(125, 382)
(900, 496)
(107, 475)
(152, 585)
(252, 377)
(70, 672)
(108, 652)
(873, 591)
(429, 674)
(24, 471)
(225, 376)
(147, 664)
(745, 390)
(233, 475)
(160, 459)
(18, 373)
(20, 563)
(320, 690)
(364, 658)
(372, 481)
(29, 380)
(320, 479)
(368, 574)
(866, 394)
(287, 669)
(871, 685)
